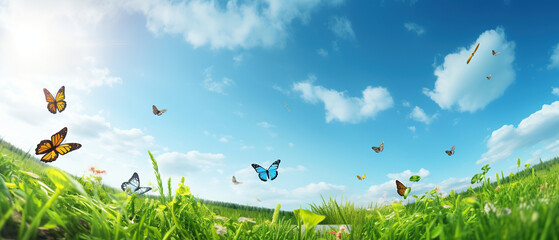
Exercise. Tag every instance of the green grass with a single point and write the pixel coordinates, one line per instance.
(38, 201)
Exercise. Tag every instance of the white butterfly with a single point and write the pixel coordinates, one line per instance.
(133, 186)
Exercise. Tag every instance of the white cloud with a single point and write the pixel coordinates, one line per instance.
(342, 108)
(412, 128)
(291, 144)
(464, 84)
(419, 115)
(414, 27)
(229, 25)
(265, 124)
(192, 161)
(341, 27)
(406, 104)
(555, 91)
(405, 175)
(316, 189)
(225, 139)
(554, 59)
(539, 127)
(245, 147)
(322, 52)
(215, 86)
(280, 89)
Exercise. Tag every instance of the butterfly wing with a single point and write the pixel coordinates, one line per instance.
(448, 152)
(58, 137)
(50, 156)
(61, 105)
(51, 106)
(381, 146)
(400, 188)
(161, 112)
(273, 170)
(43, 147)
(262, 172)
(66, 148)
(376, 149)
(60, 94)
(142, 190)
(155, 111)
(452, 149)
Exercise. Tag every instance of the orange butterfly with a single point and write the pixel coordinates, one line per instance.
(472, 54)
(401, 188)
(361, 177)
(53, 147)
(57, 103)
(450, 152)
(379, 148)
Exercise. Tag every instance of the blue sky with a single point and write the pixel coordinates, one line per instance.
(352, 73)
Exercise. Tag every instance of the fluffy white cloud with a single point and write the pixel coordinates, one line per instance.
(342, 108)
(314, 190)
(539, 127)
(412, 128)
(555, 91)
(423, 173)
(464, 84)
(213, 85)
(192, 161)
(229, 24)
(414, 27)
(341, 27)
(419, 115)
(554, 59)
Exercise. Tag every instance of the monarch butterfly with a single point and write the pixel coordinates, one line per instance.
(53, 147)
(379, 148)
(470, 58)
(361, 177)
(451, 151)
(57, 103)
(235, 181)
(488, 77)
(494, 53)
(400, 188)
(158, 112)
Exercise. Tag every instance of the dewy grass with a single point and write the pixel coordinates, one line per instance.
(38, 202)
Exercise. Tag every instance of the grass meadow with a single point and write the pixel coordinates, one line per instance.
(42, 202)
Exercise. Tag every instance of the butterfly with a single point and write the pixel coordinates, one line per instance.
(133, 186)
(257, 199)
(470, 58)
(57, 103)
(158, 112)
(400, 188)
(488, 77)
(379, 148)
(271, 172)
(235, 181)
(451, 151)
(361, 177)
(494, 53)
(287, 107)
(53, 147)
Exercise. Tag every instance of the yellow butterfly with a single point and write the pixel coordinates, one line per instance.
(53, 147)
(400, 188)
(361, 177)
(472, 54)
(57, 103)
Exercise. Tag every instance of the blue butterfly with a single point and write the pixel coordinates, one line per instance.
(133, 186)
(271, 172)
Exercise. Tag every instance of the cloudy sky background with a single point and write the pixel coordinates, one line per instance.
(352, 73)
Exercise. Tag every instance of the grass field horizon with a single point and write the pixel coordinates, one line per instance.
(54, 204)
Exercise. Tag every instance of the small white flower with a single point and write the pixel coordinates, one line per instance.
(244, 219)
(221, 230)
(489, 207)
